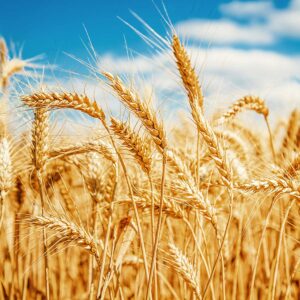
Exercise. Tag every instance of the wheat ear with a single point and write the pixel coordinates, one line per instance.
(141, 109)
(187, 73)
(67, 232)
(5, 174)
(65, 100)
(139, 148)
(182, 265)
(247, 102)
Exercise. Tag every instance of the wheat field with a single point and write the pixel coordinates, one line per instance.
(134, 210)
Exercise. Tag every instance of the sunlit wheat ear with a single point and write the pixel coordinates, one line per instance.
(141, 109)
(182, 265)
(3, 52)
(139, 147)
(40, 143)
(294, 167)
(214, 148)
(66, 197)
(290, 137)
(197, 111)
(248, 102)
(67, 232)
(278, 185)
(6, 171)
(187, 73)
(65, 100)
(108, 184)
(179, 167)
(93, 176)
(170, 208)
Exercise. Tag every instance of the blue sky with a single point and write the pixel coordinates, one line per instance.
(238, 47)
(55, 27)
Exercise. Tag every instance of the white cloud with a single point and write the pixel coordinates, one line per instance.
(263, 24)
(284, 22)
(254, 9)
(225, 32)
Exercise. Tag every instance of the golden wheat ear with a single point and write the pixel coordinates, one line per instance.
(134, 143)
(248, 102)
(65, 100)
(141, 109)
(187, 73)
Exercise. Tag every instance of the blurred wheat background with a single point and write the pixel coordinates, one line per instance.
(136, 180)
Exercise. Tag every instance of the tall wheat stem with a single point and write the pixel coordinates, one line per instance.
(271, 138)
(259, 247)
(159, 224)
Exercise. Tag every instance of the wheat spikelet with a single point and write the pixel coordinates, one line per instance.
(20, 192)
(141, 110)
(294, 167)
(276, 185)
(179, 167)
(65, 100)
(6, 170)
(40, 132)
(187, 72)
(67, 198)
(248, 102)
(67, 232)
(290, 137)
(109, 184)
(3, 53)
(140, 149)
(93, 175)
(213, 146)
(181, 264)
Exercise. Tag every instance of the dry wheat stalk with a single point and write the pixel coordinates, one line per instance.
(136, 145)
(141, 109)
(182, 265)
